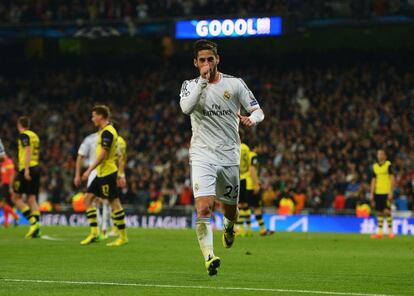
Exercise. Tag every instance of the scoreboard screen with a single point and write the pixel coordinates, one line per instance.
(228, 28)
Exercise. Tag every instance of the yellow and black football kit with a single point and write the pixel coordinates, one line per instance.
(244, 172)
(104, 185)
(20, 185)
(253, 199)
(382, 174)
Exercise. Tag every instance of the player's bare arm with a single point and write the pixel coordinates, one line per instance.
(77, 179)
(121, 171)
(99, 159)
(390, 194)
(28, 153)
(372, 190)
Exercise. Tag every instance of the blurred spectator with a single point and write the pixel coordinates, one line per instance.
(401, 202)
(285, 204)
(269, 196)
(353, 188)
(300, 200)
(339, 201)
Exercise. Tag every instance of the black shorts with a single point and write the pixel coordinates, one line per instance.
(5, 193)
(105, 187)
(23, 186)
(244, 193)
(381, 202)
(254, 199)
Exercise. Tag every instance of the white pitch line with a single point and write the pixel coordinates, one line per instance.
(46, 237)
(191, 287)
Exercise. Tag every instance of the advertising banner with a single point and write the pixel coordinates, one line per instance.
(228, 28)
(295, 223)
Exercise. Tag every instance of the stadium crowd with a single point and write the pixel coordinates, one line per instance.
(48, 11)
(322, 128)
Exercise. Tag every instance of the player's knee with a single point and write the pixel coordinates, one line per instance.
(116, 204)
(203, 210)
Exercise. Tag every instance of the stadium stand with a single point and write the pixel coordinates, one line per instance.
(319, 139)
(47, 11)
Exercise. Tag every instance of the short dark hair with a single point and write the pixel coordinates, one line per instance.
(383, 150)
(102, 110)
(24, 121)
(204, 44)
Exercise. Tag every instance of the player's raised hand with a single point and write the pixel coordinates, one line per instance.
(245, 120)
(205, 72)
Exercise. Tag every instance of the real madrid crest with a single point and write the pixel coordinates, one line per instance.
(226, 95)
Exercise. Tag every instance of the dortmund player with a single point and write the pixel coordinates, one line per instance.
(250, 192)
(105, 182)
(122, 159)
(28, 179)
(254, 199)
(121, 182)
(382, 187)
(245, 212)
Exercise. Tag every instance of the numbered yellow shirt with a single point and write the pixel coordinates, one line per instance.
(30, 139)
(253, 161)
(382, 174)
(108, 140)
(244, 161)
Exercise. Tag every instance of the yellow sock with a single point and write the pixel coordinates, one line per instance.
(26, 212)
(119, 221)
(380, 223)
(389, 223)
(36, 215)
(240, 220)
(247, 218)
(93, 220)
(259, 219)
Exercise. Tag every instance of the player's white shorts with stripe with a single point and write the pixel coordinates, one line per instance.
(91, 177)
(214, 180)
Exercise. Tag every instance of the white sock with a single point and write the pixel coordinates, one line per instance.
(205, 237)
(105, 216)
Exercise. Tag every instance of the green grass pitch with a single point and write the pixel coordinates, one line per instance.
(169, 262)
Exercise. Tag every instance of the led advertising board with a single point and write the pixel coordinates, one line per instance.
(228, 28)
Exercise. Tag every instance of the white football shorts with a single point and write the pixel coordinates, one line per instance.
(214, 180)
(91, 177)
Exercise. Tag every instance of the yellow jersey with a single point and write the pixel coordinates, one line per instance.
(382, 174)
(122, 146)
(108, 140)
(253, 162)
(244, 161)
(30, 139)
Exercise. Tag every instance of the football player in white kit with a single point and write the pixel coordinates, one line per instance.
(87, 150)
(2, 152)
(213, 101)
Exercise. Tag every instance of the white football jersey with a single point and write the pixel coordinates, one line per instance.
(214, 120)
(88, 148)
(1, 148)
